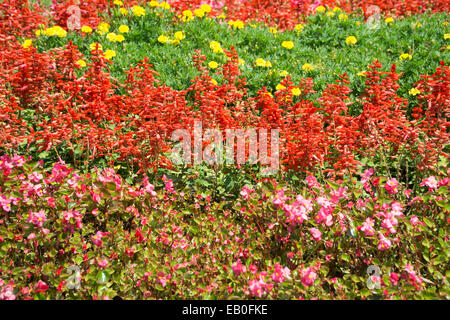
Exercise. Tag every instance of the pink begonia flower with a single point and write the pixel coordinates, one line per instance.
(279, 198)
(37, 218)
(41, 286)
(147, 188)
(31, 236)
(408, 193)
(312, 182)
(238, 267)
(308, 276)
(316, 234)
(102, 263)
(413, 275)
(384, 243)
(6, 292)
(162, 278)
(415, 220)
(35, 177)
(394, 278)
(280, 273)
(252, 268)
(245, 192)
(97, 238)
(168, 184)
(5, 203)
(75, 215)
(391, 186)
(257, 287)
(430, 182)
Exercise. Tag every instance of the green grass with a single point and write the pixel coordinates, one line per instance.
(322, 43)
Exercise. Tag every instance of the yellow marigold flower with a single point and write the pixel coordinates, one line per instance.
(287, 44)
(446, 36)
(154, 4)
(86, 29)
(414, 91)
(260, 62)
(357, 23)
(296, 91)
(330, 14)
(124, 29)
(199, 13)
(307, 67)
(173, 41)
(216, 47)
(280, 87)
(109, 54)
(222, 16)
(111, 37)
(241, 62)
(164, 5)
(284, 73)
(351, 40)
(269, 94)
(27, 43)
(163, 39)
(448, 47)
(138, 11)
(214, 82)
(343, 17)
(273, 30)
(37, 33)
(321, 9)
(299, 27)
(267, 64)
(445, 23)
(81, 63)
(103, 27)
(118, 3)
(362, 73)
(238, 24)
(405, 56)
(94, 45)
(337, 9)
(206, 8)
(120, 38)
(123, 11)
(419, 25)
(389, 20)
(179, 35)
(187, 15)
(213, 64)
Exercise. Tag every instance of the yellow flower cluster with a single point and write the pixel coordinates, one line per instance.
(351, 40)
(389, 20)
(187, 15)
(296, 91)
(238, 24)
(263, 63)
(446, 36)
(103, 27)
(154, 4)
(177, 37)
(112, 37)
(213, 65)
(414, 91)
(405, 56)
(164, 5)
(138, 11)
(86, 29)
(280, 87)
(94, 45)
(55, 31)
(273, 30)
(118, 3)
(343, 17)
(216, 47)
(124, 29)
(81, 63)
(109, 54)
(27, 43)
(321, 9)
(287, 44)
(307, 67)
(123, 11)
